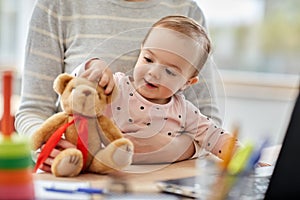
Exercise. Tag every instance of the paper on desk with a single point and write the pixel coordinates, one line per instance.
(42, 194)
(270, 154)
(266, 171)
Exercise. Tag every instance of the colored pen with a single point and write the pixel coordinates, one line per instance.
(224, 182)
(229, 177)
(230, 150)
(254, 159)
(240, 160)
(82, 190)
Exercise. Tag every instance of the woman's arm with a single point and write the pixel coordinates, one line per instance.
(44, 61)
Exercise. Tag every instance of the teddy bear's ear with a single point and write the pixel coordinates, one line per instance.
(112, 95)
(61, 82)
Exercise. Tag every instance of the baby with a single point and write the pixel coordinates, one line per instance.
(150, 108)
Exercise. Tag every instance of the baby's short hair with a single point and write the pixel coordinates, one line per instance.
(190, 28)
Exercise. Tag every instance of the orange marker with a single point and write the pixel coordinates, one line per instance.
(228, 152)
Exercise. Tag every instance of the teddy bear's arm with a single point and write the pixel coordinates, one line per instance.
(109, 129)
(47, 129)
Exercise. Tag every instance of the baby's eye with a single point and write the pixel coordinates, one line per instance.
(170, 72)
(148, 60)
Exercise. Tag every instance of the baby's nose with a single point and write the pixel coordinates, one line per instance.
(155, 71)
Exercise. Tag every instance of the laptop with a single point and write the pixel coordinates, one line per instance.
(282, 180)
(285, 181)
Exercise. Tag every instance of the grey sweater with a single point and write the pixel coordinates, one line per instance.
(65, 33)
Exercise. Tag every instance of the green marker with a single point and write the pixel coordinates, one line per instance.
(240, 159)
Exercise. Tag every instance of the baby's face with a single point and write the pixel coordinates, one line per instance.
(165, 65)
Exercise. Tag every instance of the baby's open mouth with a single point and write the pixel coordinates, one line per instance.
(150, 84)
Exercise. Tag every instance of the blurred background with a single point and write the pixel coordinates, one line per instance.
(256, 50)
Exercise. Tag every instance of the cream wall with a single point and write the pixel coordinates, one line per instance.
(261, 103)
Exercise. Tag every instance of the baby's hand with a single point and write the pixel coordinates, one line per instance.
(98, 71)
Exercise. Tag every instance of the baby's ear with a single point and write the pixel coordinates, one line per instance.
(61, 82)
(193, 80)
(112, 95)
(190, 82)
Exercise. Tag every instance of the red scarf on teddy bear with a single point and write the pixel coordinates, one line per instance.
(82, 140)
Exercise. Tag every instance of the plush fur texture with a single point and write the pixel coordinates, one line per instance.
(108, 150)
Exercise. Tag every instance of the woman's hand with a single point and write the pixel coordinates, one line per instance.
(97, 70)
(61, 145)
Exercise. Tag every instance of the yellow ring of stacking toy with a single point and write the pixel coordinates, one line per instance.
(14, 153)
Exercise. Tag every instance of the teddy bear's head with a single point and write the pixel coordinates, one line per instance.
(78, 95)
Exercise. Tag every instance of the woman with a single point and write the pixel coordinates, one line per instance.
(65, 33)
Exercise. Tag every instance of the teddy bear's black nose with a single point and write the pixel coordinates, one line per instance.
(86, 92)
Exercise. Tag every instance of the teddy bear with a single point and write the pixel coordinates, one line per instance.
(101, 147)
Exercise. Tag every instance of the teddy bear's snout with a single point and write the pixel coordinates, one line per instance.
(86, 92)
